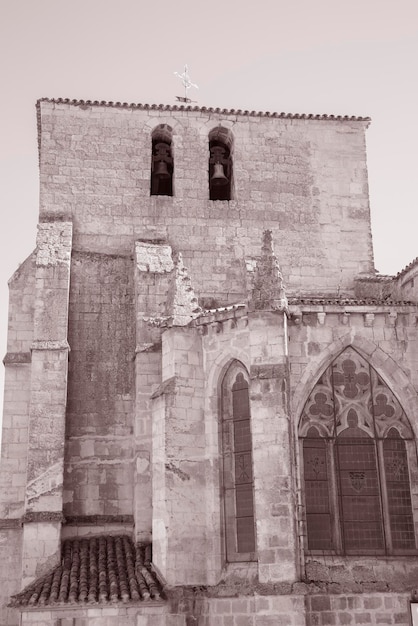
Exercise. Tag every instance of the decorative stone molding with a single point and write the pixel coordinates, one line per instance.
(43, 516)
(157, 322)
(345, 318)
(14, 522)
(97, 520)
(392, 317)
(217, 327)
(296, 317)
(321, 317)
(182, 303)
(368, 319)
(50, 345)
(268, 290)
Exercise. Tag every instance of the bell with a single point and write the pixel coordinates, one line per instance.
(161, 171)
(218, 178)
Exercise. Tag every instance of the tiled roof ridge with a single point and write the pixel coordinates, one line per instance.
(378, 278)
(408, 267)
(203, 109)
(351, 301)
(100, 569)
(294, 300)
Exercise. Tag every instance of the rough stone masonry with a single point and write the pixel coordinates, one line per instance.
(210, 405)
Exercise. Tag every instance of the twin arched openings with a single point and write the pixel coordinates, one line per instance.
(358, 449)
(220, 167)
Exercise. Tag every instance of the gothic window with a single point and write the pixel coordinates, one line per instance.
(162, 161)
(237, 466)
(220, 164)
(357, 448)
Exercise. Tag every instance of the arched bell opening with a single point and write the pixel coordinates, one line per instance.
(220, 164)
(162, 162)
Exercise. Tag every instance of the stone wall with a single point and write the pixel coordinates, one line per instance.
(305, 179)
(141, 411)
(17, 363)
(102, 616)
(257, 609)
(10, 570)
(99, 433)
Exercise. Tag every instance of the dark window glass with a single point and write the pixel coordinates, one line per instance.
(238, 468)
(357, 487)
(317, 493)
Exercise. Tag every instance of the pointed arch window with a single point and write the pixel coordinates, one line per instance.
(237, 466)
(357, 450)
(162, 163)
(220, 164)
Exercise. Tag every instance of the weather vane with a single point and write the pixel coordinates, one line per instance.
(187, 83)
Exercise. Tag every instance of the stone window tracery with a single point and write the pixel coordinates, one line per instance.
(357, 448)
(237, 466)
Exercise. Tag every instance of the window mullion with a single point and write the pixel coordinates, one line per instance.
(334, 495)
(335, 479)
(384, 497)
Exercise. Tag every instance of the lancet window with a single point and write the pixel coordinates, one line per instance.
(162, 162)
(220, 164)
(357, 450)
(237, 466)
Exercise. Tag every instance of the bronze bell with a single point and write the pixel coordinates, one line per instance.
(161, 170)
(218, 178)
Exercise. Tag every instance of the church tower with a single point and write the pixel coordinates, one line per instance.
(210, 394)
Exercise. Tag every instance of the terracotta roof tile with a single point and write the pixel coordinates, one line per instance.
(175, 107)
(375, 278)
(95, 570)
(406, 269)
(350, 302)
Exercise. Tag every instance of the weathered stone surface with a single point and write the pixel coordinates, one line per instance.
(182, 304)
(154, 258)
(114, 402)
(268, 289)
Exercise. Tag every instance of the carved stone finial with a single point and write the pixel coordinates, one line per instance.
(182, 304)
(268, 291)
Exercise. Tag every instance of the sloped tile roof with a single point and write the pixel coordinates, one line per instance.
(203, 109)
(406, 269)
(104, 569)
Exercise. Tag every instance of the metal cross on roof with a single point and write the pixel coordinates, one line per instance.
(187, 84)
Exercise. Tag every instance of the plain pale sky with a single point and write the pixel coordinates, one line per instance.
(299, 56)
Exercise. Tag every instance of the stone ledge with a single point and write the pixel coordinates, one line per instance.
(42, 516)
(50, 345)
(97, 520)
(14, 522)
(17, 358)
